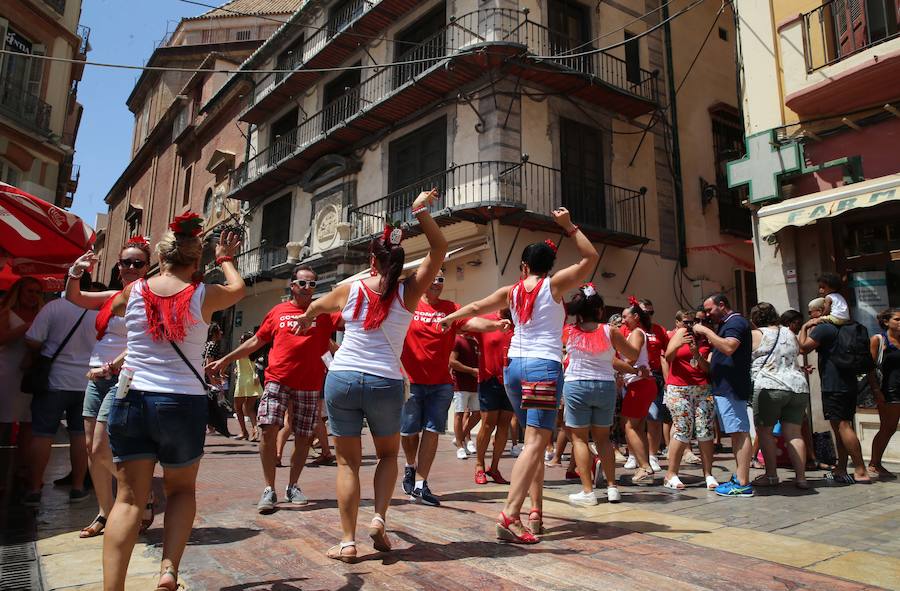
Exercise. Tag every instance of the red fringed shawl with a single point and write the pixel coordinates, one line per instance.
(104, 316)
(168, 317)
(378, 307)
(593, 342)
(522, 301)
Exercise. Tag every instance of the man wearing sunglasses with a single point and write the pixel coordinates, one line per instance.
(426, 360)
(294, 378)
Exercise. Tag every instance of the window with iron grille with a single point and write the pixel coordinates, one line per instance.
(243, 35)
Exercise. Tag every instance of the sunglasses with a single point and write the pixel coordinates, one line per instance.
(303, 283)
(132, 263)
(438, 281)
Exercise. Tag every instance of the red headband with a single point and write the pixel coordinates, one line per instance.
(632, 301)
(138, 241)
(552, 245)
(392, 236)
(188, 223)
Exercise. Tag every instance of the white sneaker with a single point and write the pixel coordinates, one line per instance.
(612, 494)
(654, 463)
(470, 447)
(461, 454)
(515, 450)
(294, 495)
(583, 498)
(631, 463)
(548, 455)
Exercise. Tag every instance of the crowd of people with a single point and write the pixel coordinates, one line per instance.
(137, 375)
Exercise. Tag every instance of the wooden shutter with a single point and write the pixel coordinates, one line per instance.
(581, 158)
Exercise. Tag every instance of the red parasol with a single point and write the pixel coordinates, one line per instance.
(38, 239)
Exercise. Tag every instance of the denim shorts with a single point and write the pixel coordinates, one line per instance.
(589, 403)
(98, 397)
(169, 428)
(48, 409)
(492, 396)
(426, 408)
(351, 396)
(733, 415)
(532, 369)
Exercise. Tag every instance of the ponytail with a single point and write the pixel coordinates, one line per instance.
(389, 260)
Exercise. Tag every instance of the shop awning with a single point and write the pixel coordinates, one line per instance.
(455, 253)
(833, 202)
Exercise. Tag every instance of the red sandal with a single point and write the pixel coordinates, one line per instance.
(506, 534)
(496, 476)
(536, 525)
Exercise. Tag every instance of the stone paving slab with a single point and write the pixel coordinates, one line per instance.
(654, 539)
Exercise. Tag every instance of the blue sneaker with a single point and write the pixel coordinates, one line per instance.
(733, 489)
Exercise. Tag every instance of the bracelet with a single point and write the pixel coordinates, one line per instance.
(72, 272)
(418, 210)
(224, 259)
(573, 231)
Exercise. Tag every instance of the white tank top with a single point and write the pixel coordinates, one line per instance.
(112, 344)
(378, 351)
(589, 366)
(157, 367)
(11, 356)
(540, 337)
(643, 360)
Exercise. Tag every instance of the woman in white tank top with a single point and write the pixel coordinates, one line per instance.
(106, 361)
(590, 389)
(159, 412)
(640, 392)
(535, 355)
(365, 379)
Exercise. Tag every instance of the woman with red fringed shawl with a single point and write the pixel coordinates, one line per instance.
(365, 379)
(535, 356)
(160, 414)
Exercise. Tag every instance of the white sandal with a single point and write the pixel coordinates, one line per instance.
(378, 533)
(673, 483)
(711, 483)
(336, 552)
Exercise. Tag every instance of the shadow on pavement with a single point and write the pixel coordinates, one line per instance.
(274, 585)
(206, 536)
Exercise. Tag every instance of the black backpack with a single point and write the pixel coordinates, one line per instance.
(851, 349)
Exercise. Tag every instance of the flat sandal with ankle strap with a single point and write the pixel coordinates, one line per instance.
(92, 530)
(174, 574)
(378, 533)
(336, 552)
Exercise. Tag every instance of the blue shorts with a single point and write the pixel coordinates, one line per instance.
(492, 396)
(659, 412)
(532, 369)
(98, 397)
(48, 409)
(589, 403)
(426, 408)
(169, 428)
(351, 396)
(733, 415)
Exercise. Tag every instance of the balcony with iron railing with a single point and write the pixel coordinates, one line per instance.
(84, 33)
(23, 107)
(517, 193)
(834, 31)
(482, 28)
(477, 41)
(256, 263)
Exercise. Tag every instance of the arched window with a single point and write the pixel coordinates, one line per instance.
(207, 203)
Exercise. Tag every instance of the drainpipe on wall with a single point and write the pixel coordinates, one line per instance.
(676, 146)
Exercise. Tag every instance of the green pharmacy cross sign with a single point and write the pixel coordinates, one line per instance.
(764, 163)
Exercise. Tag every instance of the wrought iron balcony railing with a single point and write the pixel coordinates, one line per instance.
(462, 34)
(533, 187)
(85, 34)
(23, 107)
(256, 261)
(840, 28)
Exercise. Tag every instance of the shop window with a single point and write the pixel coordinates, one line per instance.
(871, 237)
(728, 145)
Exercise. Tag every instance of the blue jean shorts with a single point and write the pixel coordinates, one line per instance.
(492, 396)
(426, 409)
(351, 396)
(589, 403)
(532, 369)
(48, 409)
(169, 428)
(733, 415)
(98, 397)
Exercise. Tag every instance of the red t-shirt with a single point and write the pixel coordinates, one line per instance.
(494, 347)
(295, 361)
(467, 354)
(426, 351)
(682, 373)
(657, 343)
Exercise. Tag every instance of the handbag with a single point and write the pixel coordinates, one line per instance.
(539, 395)
(36, 380)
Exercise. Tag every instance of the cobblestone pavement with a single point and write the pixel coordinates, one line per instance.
(830, 537)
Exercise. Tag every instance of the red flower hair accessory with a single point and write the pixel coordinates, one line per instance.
(588, 290)
(392, 236)
(138, 241)
(552, 245)
(188, 223)
(632, 301)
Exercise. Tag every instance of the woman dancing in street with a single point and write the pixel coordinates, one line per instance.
(161, 415)
(365, 379)
(535, 357)
(106, 361)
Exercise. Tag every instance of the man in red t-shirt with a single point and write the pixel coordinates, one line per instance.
(294, 378)
(426, 360)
